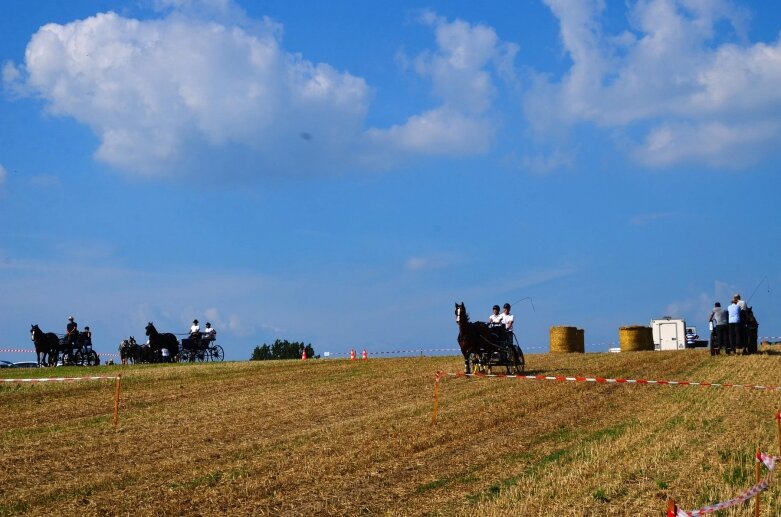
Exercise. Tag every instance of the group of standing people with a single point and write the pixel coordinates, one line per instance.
(732, 328)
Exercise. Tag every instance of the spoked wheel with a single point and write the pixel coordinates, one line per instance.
(519, 362)
(216, 353)
(92, 358)
(77, 358)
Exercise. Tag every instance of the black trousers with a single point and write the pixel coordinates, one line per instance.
(721, 335)
(735, 336)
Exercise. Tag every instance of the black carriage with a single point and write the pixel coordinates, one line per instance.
(200, 348)
(75, 350)
(500, 348)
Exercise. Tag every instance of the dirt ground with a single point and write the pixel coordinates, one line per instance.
(340, 437)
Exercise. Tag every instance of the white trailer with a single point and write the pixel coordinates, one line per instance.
(669, 333)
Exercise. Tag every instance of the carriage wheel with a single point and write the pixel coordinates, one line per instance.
(217, 353)
(519, 362)
(77, 358)
(92, 358)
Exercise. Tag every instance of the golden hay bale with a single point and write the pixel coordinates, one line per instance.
(635, 338)
(566, 340)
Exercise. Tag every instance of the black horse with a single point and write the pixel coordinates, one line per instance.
(751, 331)
(158, 342)
(46, 345)
(129, 351)
(486, 346)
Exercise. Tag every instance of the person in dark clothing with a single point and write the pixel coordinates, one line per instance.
(720, 336)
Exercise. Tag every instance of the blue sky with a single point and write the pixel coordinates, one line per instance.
(341, 174)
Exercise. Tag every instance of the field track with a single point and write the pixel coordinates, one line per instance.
(338, 437)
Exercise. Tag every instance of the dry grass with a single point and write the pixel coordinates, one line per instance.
(348, 438)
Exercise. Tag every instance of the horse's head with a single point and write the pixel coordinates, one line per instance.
(461, 315)
(150, 329)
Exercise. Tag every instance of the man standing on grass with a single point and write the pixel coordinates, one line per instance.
(733, 320)
(718, 318)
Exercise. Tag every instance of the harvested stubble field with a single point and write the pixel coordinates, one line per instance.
(338, 437)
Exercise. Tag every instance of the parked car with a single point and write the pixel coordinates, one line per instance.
(6, 364)
(26, 364)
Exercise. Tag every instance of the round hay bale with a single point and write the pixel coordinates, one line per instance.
(635, 338)
(565, 340)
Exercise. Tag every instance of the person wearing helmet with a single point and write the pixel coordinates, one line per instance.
(209, 334)
(195, 330)
(507, 318)
(495, 319)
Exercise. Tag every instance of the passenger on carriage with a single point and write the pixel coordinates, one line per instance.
(87, 335)
(507, 318)
(195, 330)
(209, 334)
(495, 319)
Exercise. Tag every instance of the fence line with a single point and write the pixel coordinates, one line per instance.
(117, 388)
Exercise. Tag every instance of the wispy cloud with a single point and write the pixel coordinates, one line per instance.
(423, 263)
(694, 92)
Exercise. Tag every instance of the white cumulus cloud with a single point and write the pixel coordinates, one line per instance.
(682, 77)
(462, 70)
(203, 89)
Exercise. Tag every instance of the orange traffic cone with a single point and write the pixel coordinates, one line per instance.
(303, 355)
(352, 354)
(364, 355)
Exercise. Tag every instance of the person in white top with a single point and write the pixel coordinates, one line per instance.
(209, 334)
(507, 318)
(495, 319)
(195, 330)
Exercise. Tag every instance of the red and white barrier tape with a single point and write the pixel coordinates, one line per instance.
(602, 380)
(767, 460)
(63, 379)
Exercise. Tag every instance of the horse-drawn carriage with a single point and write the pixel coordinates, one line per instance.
(484, 346)
(165, 348)
(201, 348)
(75, 349)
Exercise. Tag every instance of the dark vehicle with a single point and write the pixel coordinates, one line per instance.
(201, 348)
(485, 347)
(25, 364)
(7, 364)
(78, 352)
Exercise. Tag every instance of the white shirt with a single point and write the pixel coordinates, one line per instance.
(209, 332)
(195, 328)
(507, 319)
(495, 319)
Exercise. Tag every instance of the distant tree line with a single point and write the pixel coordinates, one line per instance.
(282, 349)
